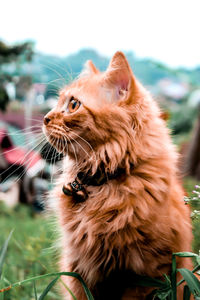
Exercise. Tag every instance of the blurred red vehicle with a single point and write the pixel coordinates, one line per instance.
(18, 165)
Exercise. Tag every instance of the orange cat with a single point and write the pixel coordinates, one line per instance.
(119, 203)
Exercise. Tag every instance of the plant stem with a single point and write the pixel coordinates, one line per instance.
(173, 277)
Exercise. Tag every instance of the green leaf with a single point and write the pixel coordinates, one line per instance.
(163, 295)
(148, 281)
(185, 254)
(193, 271)
(167, 279)
(3, 252)
(192, 282)
(48, 288)
(186, 293)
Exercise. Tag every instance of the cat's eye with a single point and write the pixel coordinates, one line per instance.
(73, 105)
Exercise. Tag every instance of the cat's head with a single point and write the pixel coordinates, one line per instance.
(94, 117)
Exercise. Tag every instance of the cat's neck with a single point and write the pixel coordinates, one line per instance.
(77, 187)
(101, 175)
(96, 174)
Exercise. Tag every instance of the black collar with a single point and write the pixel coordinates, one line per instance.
(78, 188)
(100, 177)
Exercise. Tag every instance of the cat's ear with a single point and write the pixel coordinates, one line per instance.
(119, 75)
(92, 67)
(89, 69)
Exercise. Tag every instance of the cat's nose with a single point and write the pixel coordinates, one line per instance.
(46, 120)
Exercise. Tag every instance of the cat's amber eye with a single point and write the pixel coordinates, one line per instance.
(73, 105)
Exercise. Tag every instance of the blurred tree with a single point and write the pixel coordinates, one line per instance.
(192, 160)
(11, 54)
(182, 119)
(3, 98)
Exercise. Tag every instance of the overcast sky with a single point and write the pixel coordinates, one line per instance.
(167, 30)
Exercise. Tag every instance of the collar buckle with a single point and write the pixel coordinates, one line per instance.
(76, 186)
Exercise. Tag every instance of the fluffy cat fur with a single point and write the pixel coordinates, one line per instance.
(132, 223)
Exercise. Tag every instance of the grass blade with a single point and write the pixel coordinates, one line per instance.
(48, 288)
(35, 291)
(192, 282)
(185, 254)
(86, 289)
(68, 289)
(3, 253)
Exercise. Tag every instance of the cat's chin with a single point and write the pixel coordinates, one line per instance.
(57, 142)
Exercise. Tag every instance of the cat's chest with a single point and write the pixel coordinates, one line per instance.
(98, 228)
(107, 210)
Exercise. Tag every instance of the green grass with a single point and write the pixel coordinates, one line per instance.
(29, 251)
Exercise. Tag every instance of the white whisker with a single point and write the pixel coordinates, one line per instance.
(23, 160)
(50, 68)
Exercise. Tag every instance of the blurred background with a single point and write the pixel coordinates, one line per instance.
(43, 46)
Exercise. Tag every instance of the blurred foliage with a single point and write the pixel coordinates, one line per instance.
(4, 99)
(148, 70)
(13, 53)
(189, 185)
(17, 55)
(182, 119)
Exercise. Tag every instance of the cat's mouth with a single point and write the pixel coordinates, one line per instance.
(57, 138)
(59, 144)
